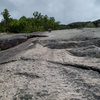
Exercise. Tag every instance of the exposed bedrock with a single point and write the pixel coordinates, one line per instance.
(63, 66)
(76, 46)
(9, 41)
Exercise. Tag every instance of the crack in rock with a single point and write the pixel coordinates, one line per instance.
(10, 61)
(30, 75)
(26, 59)
(86, 67)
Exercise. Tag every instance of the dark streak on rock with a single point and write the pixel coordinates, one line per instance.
(86, 67)
(30, 75)
(10, 61)
(26, 59)
(23, 97)
(43, 93)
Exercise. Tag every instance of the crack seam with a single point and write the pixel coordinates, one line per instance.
(86, 67)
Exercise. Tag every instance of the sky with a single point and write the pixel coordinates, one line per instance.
(65, 11)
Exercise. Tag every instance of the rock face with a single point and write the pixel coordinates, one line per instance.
(63, 66)
(8, 41)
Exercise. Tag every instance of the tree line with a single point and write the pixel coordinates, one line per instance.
(38, 22)
(88, 24)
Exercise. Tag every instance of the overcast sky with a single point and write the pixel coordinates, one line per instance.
(65, 11)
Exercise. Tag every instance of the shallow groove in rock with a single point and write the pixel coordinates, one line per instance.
(30, 75)
(86, 67)
(10, 61)
(26, 59)
(64, 44)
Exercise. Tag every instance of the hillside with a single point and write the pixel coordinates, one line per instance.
(89, 24)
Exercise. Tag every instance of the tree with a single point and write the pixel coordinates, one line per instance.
(25, 24)
(37, 15)
(14, 26)
(6, 17)
(38, 22)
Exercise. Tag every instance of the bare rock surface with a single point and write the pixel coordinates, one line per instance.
(9, 41)
(63, 66)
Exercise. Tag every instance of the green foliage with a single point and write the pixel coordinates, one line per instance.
(2, 27)
(97, 23)
(6, 17)
(81, 25)
(5, 14)
(39, 22)
(14, 26)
